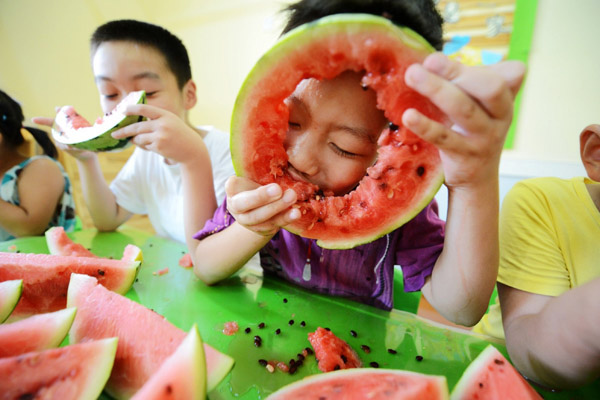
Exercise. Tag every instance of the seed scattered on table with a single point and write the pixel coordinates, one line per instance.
(374, 364)
(419, 358)
(303, 324)
(353, 333)
(392, 351)
(365, 348)
(262, 362)
(247, 330)
(285, 300)
(277, 331)
(291, 322)
(261, 325)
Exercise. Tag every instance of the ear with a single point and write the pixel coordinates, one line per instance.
(589, 149)
(189, 94)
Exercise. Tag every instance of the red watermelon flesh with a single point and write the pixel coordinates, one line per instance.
(60, 244)
(182, 376)
(10, 293)
(146, 338)
(76, 372)
(491, 376)
(46, 277)
(366, 383)
(332, 352)
(408, 170)
(35, 333)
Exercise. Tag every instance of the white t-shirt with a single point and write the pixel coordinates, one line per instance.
(148, 185)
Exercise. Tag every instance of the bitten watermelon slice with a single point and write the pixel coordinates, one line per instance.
(46, 277)
(10, 293)
(36, 333)
(76, 372)
(491, 376)
(182, 376)
(408, 170)
(332, 352)
(146, 338)
(366, 383)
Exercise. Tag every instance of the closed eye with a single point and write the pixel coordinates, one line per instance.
(341, 152)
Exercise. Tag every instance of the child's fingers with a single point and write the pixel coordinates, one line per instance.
(432, 131)
(513, 73)
(237, 184)
(260, 207)
(145, 110)
(133, 130)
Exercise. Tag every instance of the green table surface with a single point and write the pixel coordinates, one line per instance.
(250, 299)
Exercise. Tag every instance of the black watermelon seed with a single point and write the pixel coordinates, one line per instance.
(257, 338)
(263, 362)
(169, 389)
(420, 170)
(480, 384)
(365, 348)
(247, 330)
(100, 272)
(299, 363)
(261, 325)
(308, 350)
(300, 356)
(292, 362)
(291, 322)
(303, 324)
(257, 343)
(328, 330)
(277, 331)
(285, 300)
(392, 351)
(499, 362)
(374, 364)
(292, 369)
(419, 358)
(344, 358)
(393, 126)
(336, 367)
(353, 333)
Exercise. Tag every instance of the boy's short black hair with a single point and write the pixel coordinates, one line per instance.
(419, 15)
(169, 45)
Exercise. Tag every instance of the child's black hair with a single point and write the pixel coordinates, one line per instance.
(154, 36)
(11, 123)
(419, 15)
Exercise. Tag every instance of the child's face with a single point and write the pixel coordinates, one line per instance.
(333, 130)
(121, 67)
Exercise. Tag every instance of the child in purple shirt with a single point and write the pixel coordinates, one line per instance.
(331, 141)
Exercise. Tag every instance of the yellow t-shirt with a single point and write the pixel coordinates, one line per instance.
(549, 241)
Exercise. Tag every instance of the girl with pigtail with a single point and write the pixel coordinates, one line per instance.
(35, 191)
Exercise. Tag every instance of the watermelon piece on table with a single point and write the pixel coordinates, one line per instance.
(366, 383)
(36, 333)
(77, 372)
(10, 293)
(332, 352)
(46, 277)
(491, 376)
(146, 338)
(182, 376)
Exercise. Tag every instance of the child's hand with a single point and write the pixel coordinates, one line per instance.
(79, 154)
(261, 209)
(479, 102)
(163, 132)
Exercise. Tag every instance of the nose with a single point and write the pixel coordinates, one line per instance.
(303, 154)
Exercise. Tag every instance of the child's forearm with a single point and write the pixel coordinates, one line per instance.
(559, 346)
(218, 256)
(465, 274)
(99, 199)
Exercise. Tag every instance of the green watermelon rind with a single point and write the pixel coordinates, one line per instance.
(103, 369)
(314, 31)
(284, 392)
(12, 298)
(104, 141)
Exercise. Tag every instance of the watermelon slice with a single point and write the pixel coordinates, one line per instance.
(36, 333)
(182, 376)
(408, 170)
(332, 352)
(10, 293)
(72, 129)
(366, 383)
(46, 277)
(492, 376)
(146, 338)
(76, 372)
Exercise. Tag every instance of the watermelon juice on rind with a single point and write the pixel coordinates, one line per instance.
(491, 376)
(72, 129)
(10, 293)
(75, 372)
(366, 383)
(408, 171)
(146, 338)
(35, 333)
(182, 376)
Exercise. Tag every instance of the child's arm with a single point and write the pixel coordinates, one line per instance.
(479, 102)
(260, 211)
(40, 186)
(554, 340)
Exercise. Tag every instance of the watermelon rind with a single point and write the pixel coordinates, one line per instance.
(183, 373)
(35, 333)
(98, 137)
(260, 90)
(71, 372)
(476, 376)
(10, 293)
(430, 387)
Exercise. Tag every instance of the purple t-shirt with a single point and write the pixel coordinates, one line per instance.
(364, 273)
